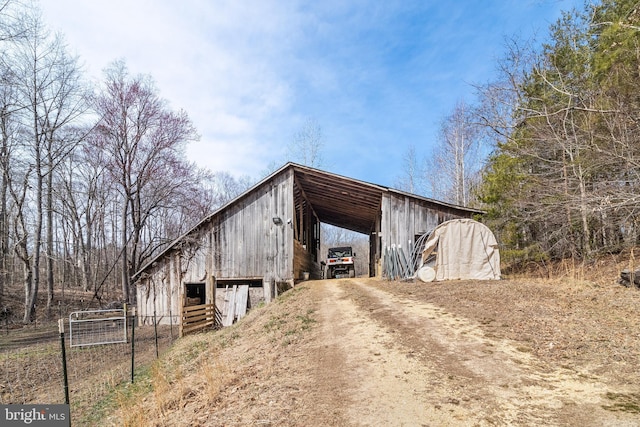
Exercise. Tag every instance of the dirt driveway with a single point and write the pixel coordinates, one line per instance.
(366, 352)
(393, 361)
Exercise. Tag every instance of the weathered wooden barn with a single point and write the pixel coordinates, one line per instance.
(269, 237)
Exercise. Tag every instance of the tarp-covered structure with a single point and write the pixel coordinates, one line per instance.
(460, 249)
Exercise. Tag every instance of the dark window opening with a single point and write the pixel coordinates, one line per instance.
(253, 283)
(195, 293)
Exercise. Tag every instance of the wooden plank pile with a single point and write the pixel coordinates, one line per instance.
(629, 278)
(236, 301)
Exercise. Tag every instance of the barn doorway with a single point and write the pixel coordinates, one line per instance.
(195, 294)
(333, 236)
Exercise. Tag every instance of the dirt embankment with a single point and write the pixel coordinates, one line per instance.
(369, 352)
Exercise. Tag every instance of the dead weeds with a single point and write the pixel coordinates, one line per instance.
(257, 372)
(569, 320)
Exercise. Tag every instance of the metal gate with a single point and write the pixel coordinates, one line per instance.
(95, 327)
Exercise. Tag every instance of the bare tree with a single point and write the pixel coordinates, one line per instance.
(307, 146)
(412, 177)
(66, 104)
(11, 20)
(223, 187)
(83, 197)
(18, 190)
(144, 143)
(454, 163)
(49, 98)
(12, 29)
(8, 104)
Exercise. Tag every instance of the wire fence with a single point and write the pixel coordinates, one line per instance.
(96, 327)
(32, 364)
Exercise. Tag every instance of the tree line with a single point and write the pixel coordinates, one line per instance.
(561, 125)
(93, 178)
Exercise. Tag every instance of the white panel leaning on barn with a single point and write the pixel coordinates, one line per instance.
(235, 303)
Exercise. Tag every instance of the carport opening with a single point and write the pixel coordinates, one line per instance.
(336, 237)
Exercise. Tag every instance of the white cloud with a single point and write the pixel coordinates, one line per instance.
(216, 60)
(376, 76)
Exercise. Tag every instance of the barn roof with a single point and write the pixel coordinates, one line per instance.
(347, 202)
(339, 201)
(336, 200)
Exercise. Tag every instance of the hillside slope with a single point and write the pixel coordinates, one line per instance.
(369, 352)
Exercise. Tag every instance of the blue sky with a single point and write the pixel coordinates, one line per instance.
(376, 76)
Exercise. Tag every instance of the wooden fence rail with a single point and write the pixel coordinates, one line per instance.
(197, 317)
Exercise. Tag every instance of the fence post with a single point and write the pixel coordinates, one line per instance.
(155, 329)
(64, 361)
(171, 323)
(133, 341)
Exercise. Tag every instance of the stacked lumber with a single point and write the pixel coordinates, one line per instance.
(628, 278)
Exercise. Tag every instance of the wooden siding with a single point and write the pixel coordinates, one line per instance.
(162, 288)
(404, 217)
(242, 241)
(304, 262)
(245, 240)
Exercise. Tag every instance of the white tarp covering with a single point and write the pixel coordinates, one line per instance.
(464, 249)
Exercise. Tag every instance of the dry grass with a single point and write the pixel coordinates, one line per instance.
(603, 270)
(226, 377)
(216, 375)
(572, 315)
(578, 316)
